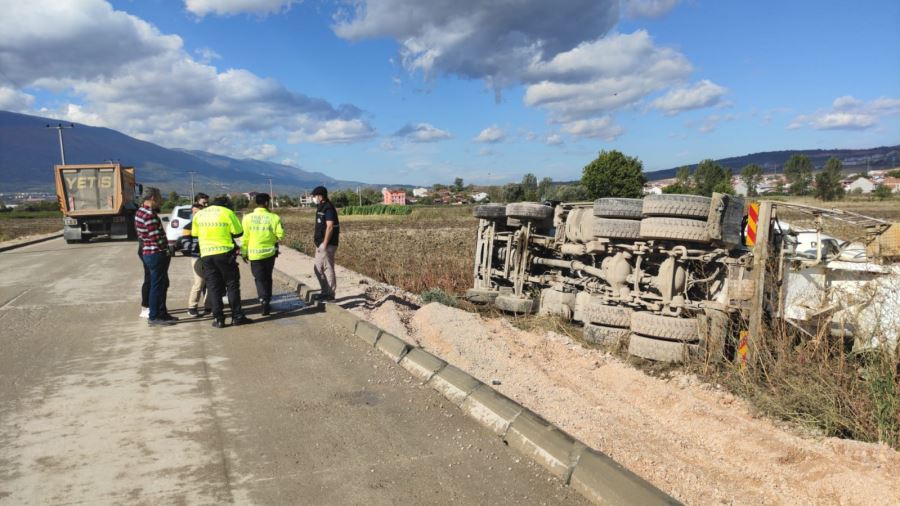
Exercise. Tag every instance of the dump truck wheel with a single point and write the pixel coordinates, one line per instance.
(513, 304)
(599, 334)
(481, 296)
(679, 229)
(591, 310)
(618, 208)
(529, 211)
(680, 206)
(661, 350)
(665, 327)
(617, 228)
(490, 211)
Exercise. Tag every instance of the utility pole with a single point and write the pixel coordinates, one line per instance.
(359, 195)
(192, 184)
(59, 128)
(271, 194)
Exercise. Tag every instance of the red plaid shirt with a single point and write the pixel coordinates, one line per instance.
(150, 231)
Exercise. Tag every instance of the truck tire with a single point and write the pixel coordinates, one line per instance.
(592, 310)
(513, 304)
(617, 228)
(490, 211)
(599, 334)
(618, 208)
(679, 206)
(661, 350)
(481, 296)
(665, 327)
(529, 211)
(678, 229)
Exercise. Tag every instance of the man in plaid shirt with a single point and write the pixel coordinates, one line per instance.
(155, 255)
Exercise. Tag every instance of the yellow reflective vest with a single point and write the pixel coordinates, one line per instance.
(262, 231)
(215, 229)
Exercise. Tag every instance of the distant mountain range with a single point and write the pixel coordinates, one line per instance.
(28, 151)
(854, 160)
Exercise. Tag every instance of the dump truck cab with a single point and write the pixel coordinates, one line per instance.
(96, 200)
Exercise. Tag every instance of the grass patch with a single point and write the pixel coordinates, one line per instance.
(439, 296)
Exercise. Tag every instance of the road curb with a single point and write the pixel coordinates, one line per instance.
(29, 242)
(593, 474)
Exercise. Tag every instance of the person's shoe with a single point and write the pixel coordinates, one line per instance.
(218, 324)
(145, 312)
(243, 320)
(266, 308)
(193, 312)
(160, 323)
(167, 317)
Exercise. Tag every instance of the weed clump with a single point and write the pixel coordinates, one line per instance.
(439, 296)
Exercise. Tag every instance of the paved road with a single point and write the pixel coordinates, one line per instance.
(97, 408)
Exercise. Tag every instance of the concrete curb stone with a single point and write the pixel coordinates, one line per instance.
(11, 245)
(454, 383)
(543, 442)
(367, 332)
(491, 408)
(422, 364)
(605, 481)
(342, 316)
(392, 346)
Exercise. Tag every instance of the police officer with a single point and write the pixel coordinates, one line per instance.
(262, 231)
(325, 237)
(216, 227)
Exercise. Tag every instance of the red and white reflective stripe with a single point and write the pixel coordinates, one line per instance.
(752, 217)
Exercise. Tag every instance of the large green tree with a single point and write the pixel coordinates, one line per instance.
(529, 187)
(614, 174)
(798, 172)
(458, 184)
(828, 182)
(711, 177)
(512, 192)
(751, 175)
(545, 189)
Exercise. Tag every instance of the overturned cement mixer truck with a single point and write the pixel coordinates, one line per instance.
(687, 277)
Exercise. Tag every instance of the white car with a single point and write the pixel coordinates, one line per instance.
(175, 223)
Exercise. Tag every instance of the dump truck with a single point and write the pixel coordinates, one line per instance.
(96, 200)
(683, 277)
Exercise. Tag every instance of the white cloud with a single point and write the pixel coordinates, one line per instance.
(15, 100)
(596, 128)
(485, 152)
(230, 7)
(261, 152)
(700, 95)
(849, 113)
(148, 86)
(711, 122)
(422, 132)
(554, 140)
(207, 55)
(648, 8)
(491, 134)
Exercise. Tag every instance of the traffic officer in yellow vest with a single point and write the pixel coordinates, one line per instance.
(216, 227)
(262, 231)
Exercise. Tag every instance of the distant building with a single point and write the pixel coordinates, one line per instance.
(394, 197)
(420, 192)
(862, 183)
(652, 190)
(893, 183)
(478, 197)
(306, 200)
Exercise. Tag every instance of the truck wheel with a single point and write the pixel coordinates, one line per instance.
(681, 206)
(660, 350)
(618, 208)
(617, 228)
(599, 334)
(529, 211)
(513, 304)
(590, 309)
(490, 211)
(679, 229)
(665, 327)
(481, 296)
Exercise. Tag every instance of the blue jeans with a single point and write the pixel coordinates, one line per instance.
(158, 264)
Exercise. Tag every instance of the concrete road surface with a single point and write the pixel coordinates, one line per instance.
(97, 408)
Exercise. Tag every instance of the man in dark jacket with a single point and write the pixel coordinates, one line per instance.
(326, 236)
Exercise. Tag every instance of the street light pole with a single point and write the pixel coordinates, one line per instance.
(59, 128)
(192, 184)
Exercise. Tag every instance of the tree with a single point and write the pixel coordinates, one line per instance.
(545, 189)
(571, 193)
(798, 171)
(751, 175)
(458, 184)
(340, 198)
(828, 182)
(613, 174)
(512, 192)
(529, 187)
(682, 182)
(239, 201)
(882, 192)
(711, 177)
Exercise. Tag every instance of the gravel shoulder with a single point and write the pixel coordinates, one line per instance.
(693, 440)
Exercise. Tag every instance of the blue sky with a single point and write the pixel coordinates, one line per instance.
(405, 91)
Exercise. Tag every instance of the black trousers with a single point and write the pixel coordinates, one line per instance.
(262, 274)
(223, 277)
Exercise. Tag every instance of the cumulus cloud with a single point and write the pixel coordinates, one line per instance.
(230, 7)
(554, 140)
(491, 134)
(596, 128)
(648, 8)
(849, 113)
(711, 122)
(700, 95)
(422, 132)
(146, 85)
(14, 100)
